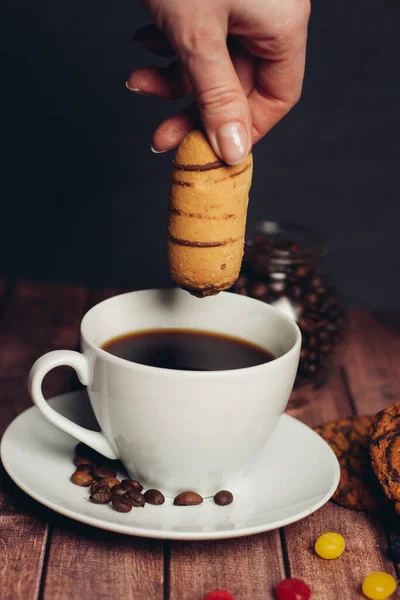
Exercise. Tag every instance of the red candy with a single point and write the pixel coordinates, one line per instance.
(293, 589)
(219, 595)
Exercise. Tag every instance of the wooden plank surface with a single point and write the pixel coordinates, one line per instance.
(250, 568)
(85, 562)
(37, 318)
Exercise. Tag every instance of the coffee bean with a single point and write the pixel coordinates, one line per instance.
(82, 460)
(118, 490)
(101, 471)
(223, 498)
(316, 282)
(81, 478)
(188, 499)
(310, 368)
(101, 496)
(84, 467)
(295, 292)
(321, 290)
(312, 356)
(312, 341)
(325, 348)
(303, 354)
(135, 497)
(259, 290)
(154, 497)
(311, 299)
(97, 485)
(120, 504)
(109, 481)
(302, 272)
(131, 483)
(306, 325)
(323, 335)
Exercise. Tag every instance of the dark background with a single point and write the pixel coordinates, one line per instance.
(84, 199)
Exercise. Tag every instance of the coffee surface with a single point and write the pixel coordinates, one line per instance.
(187, 350)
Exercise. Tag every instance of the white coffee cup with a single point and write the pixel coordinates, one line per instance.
(179, 430)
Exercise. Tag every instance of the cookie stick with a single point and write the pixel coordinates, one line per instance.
(207, 217)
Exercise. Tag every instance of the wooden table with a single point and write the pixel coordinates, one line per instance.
(44, 555)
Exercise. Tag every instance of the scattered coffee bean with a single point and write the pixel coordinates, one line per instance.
(121, 504)
(109, 481)
(81, 478)
(188, 499)
(101, 471)
(131, 483)
(86, 468)
(82, 460)
(101, 496)
(97, 485)
(223, 498)
(118, 490)
(154, 497)
(135, 497)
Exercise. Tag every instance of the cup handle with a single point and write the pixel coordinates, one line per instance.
(80, 363)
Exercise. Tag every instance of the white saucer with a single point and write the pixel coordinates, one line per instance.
(298, 474)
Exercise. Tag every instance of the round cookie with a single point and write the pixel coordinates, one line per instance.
(349, 439)
(385, 451)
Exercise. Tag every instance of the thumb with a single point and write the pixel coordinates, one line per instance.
(221, 100)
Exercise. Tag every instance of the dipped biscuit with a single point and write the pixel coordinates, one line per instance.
(207, 217)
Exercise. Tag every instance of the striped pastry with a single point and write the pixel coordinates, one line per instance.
(207, 217)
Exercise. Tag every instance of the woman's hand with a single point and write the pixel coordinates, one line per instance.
(240, 92)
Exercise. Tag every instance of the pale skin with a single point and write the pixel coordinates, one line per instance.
(242, 84)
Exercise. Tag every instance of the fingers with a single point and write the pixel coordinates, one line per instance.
(172, 131)
(171, 82)
(278, 87)
(245, 67)
(220, 98)
(150, 38)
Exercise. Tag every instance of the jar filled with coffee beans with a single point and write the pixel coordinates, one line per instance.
(283, 266)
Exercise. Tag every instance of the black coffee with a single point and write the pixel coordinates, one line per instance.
(188, 350)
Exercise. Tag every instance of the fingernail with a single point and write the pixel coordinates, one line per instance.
(232, 143)
(131, 89)
(156, 151)
(136, 90)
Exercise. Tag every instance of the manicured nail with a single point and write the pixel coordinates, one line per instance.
(232, 143)
(131, 89)
(156, 151)
(136, 90)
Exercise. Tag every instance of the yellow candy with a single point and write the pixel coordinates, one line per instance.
(378, 586)
(330, 545)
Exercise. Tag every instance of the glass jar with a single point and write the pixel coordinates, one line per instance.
(282, 265)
